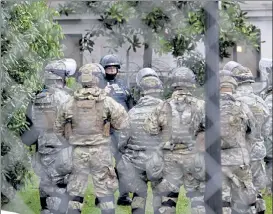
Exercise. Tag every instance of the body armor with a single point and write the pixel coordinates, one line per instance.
(44, 111)
(119, 92)
(257, 106)
(140, 140)
(183, 126)
(233, 132)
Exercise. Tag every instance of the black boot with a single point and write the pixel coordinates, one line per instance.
(97, 201)
(124, 200)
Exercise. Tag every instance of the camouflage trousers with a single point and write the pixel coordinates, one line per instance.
(238, 191)
(268, 164)
(53, 197)
(268, 168)
(259, 181)
(187, 169)
(135, 178)
(53, 170)
(97, 161)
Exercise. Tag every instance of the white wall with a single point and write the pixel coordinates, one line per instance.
(266, 35)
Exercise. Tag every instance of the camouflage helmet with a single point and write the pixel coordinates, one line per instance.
(240, 73)
(183, 77)
(145, 72)
(150, 85)
(227, 80)
(110, 60)
(88, 74)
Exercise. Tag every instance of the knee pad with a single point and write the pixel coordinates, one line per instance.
(170, 199)
(74, 203)
(107, 203)
(260, 204)
(138, 202)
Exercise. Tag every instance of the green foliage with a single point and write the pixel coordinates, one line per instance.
(30, 203)
(29, 39)
(66, 9)
(194, 61)
(72, 83)
(176, 27)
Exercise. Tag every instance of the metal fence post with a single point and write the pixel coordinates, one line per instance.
(213, 193)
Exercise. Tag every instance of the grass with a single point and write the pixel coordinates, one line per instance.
(27, 202)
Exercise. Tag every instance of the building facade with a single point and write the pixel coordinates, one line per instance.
(75, 26)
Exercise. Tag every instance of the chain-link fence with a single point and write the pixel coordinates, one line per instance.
(210, 22)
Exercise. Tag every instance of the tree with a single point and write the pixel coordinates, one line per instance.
(166, 26)
(29, 39)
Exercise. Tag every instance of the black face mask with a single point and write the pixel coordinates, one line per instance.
(110, 76)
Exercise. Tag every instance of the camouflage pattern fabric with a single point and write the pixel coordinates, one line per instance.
(182, 163)
(97, 161)
(52, 163)
(88, 111)
(245, 94)
(238, 190)
(139, 148)
(268, 144)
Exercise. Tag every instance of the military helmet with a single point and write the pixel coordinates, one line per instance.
(227, 80)
(89, 74)
(183, 77)
(149, 85)
(110, 60)
(240, 73)
(145, 72)
(59, 69)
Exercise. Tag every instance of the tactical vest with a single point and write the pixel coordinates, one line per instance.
(233, 132)
(257, 108)
(232, 125)
(87, 118)
(119, 93)
(43, 111)
(140, 140)
(184, 122)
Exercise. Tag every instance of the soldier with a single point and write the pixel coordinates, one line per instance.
(83, 119)
(180, 120)
(236, 123)
(266, 66)
(117, 90)
(142, 159)
(245, 94)
(52, 162)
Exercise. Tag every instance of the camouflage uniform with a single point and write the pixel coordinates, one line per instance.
(52, 162)
(142, 159)
(87, 113)
(268, 143)
(245, 94)
(236, 123)
(180, 119)
(265, 66)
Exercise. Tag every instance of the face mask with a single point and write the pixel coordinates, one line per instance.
(110, 76)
